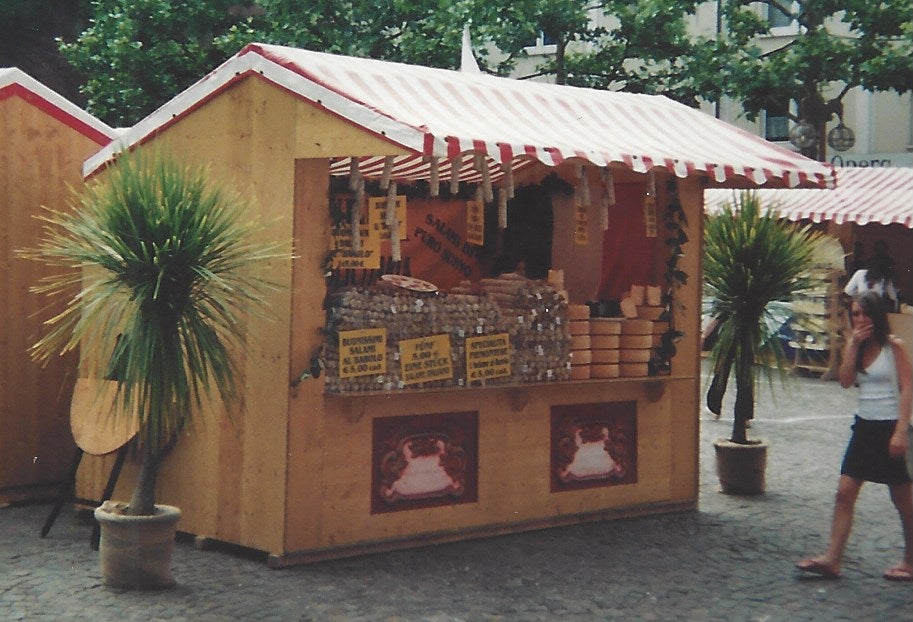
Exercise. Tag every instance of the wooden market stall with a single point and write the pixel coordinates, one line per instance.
(45, 141)
(466, 389)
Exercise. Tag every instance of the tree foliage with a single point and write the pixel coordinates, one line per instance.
(136, 54)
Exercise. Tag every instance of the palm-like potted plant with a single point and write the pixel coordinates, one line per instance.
(157, 273)
(754, 264)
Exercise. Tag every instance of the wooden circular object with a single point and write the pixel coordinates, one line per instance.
(605, 342)
(578, 312)
(605, 326)
(605, 371)
(649, 313)
(637, 327)
(635, 356)
(581, 357)
(96, 429)
(606, 356)
(579, 327)
(581, 342)
(636, 341)
(580, 372)
(633, 370)
(660, 327)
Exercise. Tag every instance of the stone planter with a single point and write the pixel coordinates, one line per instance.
(741, 468)
(135, 551)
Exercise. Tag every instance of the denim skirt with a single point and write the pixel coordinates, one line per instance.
(867, 457)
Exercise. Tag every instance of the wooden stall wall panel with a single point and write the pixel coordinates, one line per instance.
(514, 469)
(40, 156)
(306, 417)
(229, 474)
(321, 135)
(684, 437)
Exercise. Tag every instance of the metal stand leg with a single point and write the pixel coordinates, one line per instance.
(65, 494)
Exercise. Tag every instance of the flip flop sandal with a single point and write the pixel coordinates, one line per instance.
(818, 569)
(898, 574)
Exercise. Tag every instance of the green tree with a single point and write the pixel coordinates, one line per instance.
(136, 54)
(838, 45)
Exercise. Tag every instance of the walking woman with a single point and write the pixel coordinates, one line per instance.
(878, 363)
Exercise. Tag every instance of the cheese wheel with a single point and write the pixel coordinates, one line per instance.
(629, 355)
(605, 326)
(636, 341)
(580, 372)
(650, 313)
(604, 342)
(581, 342)
(637, 327)
(657, 341)
(660, 327)
(654, 295)
(581, 357)
(628, 308)
(606, 356)
(605, 371)
(578, 312)
(579, 327)
(638, 293)
(633, 370)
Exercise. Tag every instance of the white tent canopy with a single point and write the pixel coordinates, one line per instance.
(439, 114)
(862, 196)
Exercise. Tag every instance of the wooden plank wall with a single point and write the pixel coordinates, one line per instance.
(39, 157)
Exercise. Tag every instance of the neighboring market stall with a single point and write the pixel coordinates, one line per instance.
(490, 277)
(869, 206)
(45, 141)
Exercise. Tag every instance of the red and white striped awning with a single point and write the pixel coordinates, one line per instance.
(438, 113)
(16, 83)
(862, 196)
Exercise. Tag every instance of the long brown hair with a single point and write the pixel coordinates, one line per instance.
(873, 306)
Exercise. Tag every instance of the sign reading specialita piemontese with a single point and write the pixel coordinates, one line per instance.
(487, 356)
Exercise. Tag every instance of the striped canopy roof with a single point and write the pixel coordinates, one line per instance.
(438, 113)
(16, 83)
(862, 196)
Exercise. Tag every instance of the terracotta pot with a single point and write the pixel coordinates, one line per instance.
(135, 551)
(741, 468)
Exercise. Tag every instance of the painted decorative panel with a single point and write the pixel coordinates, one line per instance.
(593, 445)
(422, 461)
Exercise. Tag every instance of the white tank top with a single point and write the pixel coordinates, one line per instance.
(877, 399)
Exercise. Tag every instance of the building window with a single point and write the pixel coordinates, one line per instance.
(781, 23)
(543, 44)
(776, 122)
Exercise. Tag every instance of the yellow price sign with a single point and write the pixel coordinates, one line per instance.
(425, 359)
(362, 352)
(487, 356)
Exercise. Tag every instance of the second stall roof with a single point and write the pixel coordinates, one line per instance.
(440, 113)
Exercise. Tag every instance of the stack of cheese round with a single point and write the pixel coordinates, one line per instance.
(636, 347)
(650, 312)
(605, 339)
(658, 329)
(579, 326)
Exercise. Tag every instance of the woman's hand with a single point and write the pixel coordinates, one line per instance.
(862, 332)
(897, 447)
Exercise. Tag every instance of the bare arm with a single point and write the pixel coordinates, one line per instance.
(900, 439)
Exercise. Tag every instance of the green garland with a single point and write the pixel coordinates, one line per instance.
(675, 222)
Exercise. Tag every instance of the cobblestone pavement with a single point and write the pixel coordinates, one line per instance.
(730, 560)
